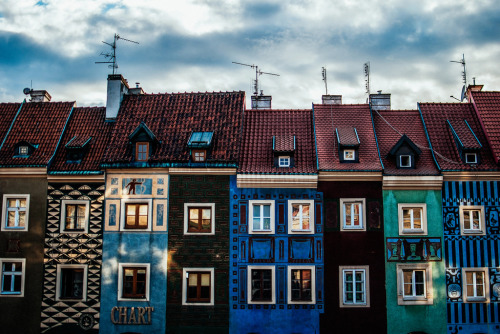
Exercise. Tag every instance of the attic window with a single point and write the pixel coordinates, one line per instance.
(349, 155)
(405, 161)
(141, 151)
(471, 158)
(284, 161)
(200, 139)
(199, 155)
(23, 150)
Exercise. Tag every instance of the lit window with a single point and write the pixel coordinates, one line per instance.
(12, 277)
(412, 218)
(199, 218)
(284, 161)
(71, 282)
(141, 151)
(354, 283)
(198, 287)
(136, 216)
(261, 216)
(199, 155)
(471, 158)
(352, 214)
(133, 281)
(301, 285)
(23, 150)
(15, 212)
(414, 284)
(261, 285)
(74, 216)
(349, 155)
(476, 284)
(472, 220)
(300, 216)
(405, 160)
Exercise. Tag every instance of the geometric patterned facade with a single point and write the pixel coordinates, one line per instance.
(81, 248)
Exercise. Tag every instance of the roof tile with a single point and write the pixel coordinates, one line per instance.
(487, 105)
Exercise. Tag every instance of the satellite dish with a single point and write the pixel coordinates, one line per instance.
(26, 91)
(462, 96)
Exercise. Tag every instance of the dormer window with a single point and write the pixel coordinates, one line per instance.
(405, 161)
(141, 151)
(348, 143)
(284, 161)
(76, 148)
(199, 155)
(471, 158)
(284, 151)
(23, 150)
(199, 143)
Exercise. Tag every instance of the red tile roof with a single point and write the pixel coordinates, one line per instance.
(329, 117)
(85, 124)
(347, 136)
(257, 141)
(445, 148)
(464, 134)
(39, 123)
(487, 105)
(172, 118)
(390, 126)
(7, 113)
(284, 143)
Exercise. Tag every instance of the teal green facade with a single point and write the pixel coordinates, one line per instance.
(415, 318)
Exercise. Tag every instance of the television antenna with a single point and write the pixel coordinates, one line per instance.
(464, 77)
(366, 67)
(323, 73)
(257, 74)
(111, 56)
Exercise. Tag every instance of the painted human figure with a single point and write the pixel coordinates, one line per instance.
(413, 250)
(131, 186)
(394, 251)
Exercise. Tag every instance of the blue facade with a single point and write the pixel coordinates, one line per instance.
(470, 250)
(283, 252)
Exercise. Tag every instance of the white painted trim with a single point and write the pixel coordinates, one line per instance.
(249, 284)
(23, 171)
(251, 203)
(186, 215)
(482, 220)
(59, 278)
(276, 181)
(486, 298)
(349, 176)
(428, 299)
(62, 223)
(423, 230)
(23, 277)
(120, 280)
(313, 284)
(412, 182)
(312, 217)
(124, 201)
(185, 271)
(366, 270)
(4, 213)
(362, 213)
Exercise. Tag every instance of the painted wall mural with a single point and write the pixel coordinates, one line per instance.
(413, 249)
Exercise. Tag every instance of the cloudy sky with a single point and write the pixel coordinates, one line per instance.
(189, 45)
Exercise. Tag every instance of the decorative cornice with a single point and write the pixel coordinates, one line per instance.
(276, 181)
(350, 176)
(471, 176)
(24, 171)
(76, 178)
(202, 171)
(412, 182)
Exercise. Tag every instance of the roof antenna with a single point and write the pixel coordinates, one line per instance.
(367, 77)
(464, 78)
(323, 72)
(111, 56)
(257, 73)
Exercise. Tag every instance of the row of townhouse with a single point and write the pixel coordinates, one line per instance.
(188, 213)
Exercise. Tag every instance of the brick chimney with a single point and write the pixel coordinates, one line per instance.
(331, 99)
(40, 96)
(261, 101)
(380, 101)
(117, 87)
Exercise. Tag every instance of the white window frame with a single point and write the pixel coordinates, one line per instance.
(401, 160)
(120, 280)
(342, 271)
(63, 215)
(482, 220)
(427, 299)
(347, 152)
(474, 299)
(5, 213)
(23, 276)
(23, 148)
(185, 272)
(313, 284)
(251, 205)
(123, 214)
(186, 218)
(414, 231)
(311, 216)
(59, 281)
(284, 161)
(273, 284)
(362, 211)
(468, 155)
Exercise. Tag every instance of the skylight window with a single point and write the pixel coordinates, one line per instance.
(200, 139)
